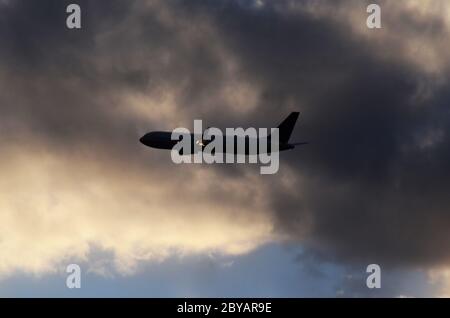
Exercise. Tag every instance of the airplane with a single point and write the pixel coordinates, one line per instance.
(163, 139)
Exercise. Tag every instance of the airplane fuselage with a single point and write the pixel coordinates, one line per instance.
(163, 140)
(234, 141)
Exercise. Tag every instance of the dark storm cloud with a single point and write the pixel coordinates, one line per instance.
(376, 171)
(73, 106)
(374, 191)
(373, 184)
(67, 84)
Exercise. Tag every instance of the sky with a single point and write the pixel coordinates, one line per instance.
(371, 187)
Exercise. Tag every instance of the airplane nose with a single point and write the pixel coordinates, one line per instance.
(148, 139)
(151, 139)
(143, 140)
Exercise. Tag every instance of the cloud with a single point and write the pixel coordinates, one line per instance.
(412, 31)
(371, 186)
(53, 209)
(73, 109)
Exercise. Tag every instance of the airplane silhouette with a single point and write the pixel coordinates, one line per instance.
(163, 139)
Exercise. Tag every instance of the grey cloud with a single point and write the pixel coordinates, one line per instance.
(369, 188)
(371, 185)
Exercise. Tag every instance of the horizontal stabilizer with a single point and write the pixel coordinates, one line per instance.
(299, 143)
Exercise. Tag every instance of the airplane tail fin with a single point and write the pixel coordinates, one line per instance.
(287, 126)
